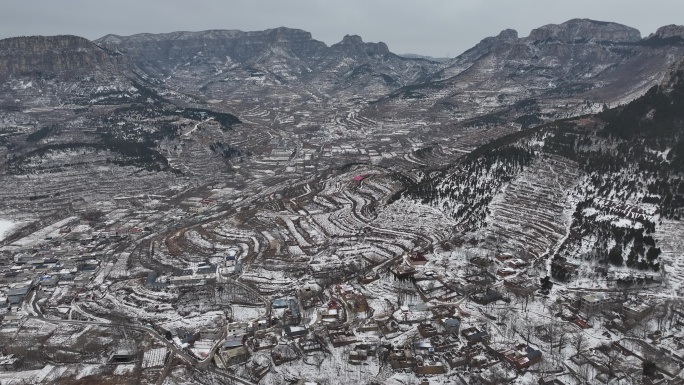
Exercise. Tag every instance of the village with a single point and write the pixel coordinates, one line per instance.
(315, 280)
(280, 250)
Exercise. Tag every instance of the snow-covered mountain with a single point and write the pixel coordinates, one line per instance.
(52, 70)
(220, 62)
(557, 70)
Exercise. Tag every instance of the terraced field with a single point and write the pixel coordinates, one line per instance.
(669, 233)
(532, 213)
(76, 188)
(339, 225)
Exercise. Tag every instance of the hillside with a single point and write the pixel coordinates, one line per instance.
(598, 187)
(557, 71)
(219, 63)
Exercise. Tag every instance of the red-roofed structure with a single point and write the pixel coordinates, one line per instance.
(579, 322)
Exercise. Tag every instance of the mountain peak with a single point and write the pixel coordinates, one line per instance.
(354, 42)
(48, 42)
(289, 34)
(351, 39)
(585, 30)
(507, 35)
(486, 44)
(671, 31)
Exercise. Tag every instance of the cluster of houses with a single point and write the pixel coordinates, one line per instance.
(44, 269)
(68, 254)
(509, 265)
(199, 275)
(620, 314)
(444, 340)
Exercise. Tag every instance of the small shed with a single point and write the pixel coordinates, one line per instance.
(295, 331)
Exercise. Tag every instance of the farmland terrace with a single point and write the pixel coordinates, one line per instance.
(243, 229)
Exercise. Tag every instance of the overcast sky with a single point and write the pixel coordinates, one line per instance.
(429, 27)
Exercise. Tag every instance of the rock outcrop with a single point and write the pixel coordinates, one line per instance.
(353, 44)
(671, 34)
(52, 55)
(585, 30)
(177, 48)
(220, 61)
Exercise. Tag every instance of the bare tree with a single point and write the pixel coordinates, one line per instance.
(562, 338)
(660, 313)
(555, 307)
(550, 329)
(612, 355)
(497, 374)
(583, 373)
(579, 342)
(502, 313)
(674, 315)
(528, 328)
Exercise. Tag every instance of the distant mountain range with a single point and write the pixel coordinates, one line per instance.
(556, 65)
(219, 63)
(573, 67)
(416, 56)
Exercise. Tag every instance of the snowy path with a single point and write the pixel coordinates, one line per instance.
(196, 127)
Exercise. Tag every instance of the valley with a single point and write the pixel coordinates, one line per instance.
(261, 208)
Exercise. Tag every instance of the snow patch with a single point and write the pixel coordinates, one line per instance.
(5, 227)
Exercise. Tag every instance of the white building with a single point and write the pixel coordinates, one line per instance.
(593, 303)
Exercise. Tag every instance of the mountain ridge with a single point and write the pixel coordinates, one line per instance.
(576, 61)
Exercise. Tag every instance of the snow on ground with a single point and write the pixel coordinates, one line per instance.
(88, 370)
(124, 369)
(5, 227)
(533, 212)
(154, 357)
(247, 313)
(194, 320)
(321, 367)
(26, 376)
(44, 232)
(670, 235)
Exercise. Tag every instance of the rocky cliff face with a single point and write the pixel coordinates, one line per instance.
(220, 63)
(353, 44)
(52, 70)
(669, 34)
(169, 50)
(585, 30)
(467, 58)
(52, 55)
(574, 62)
